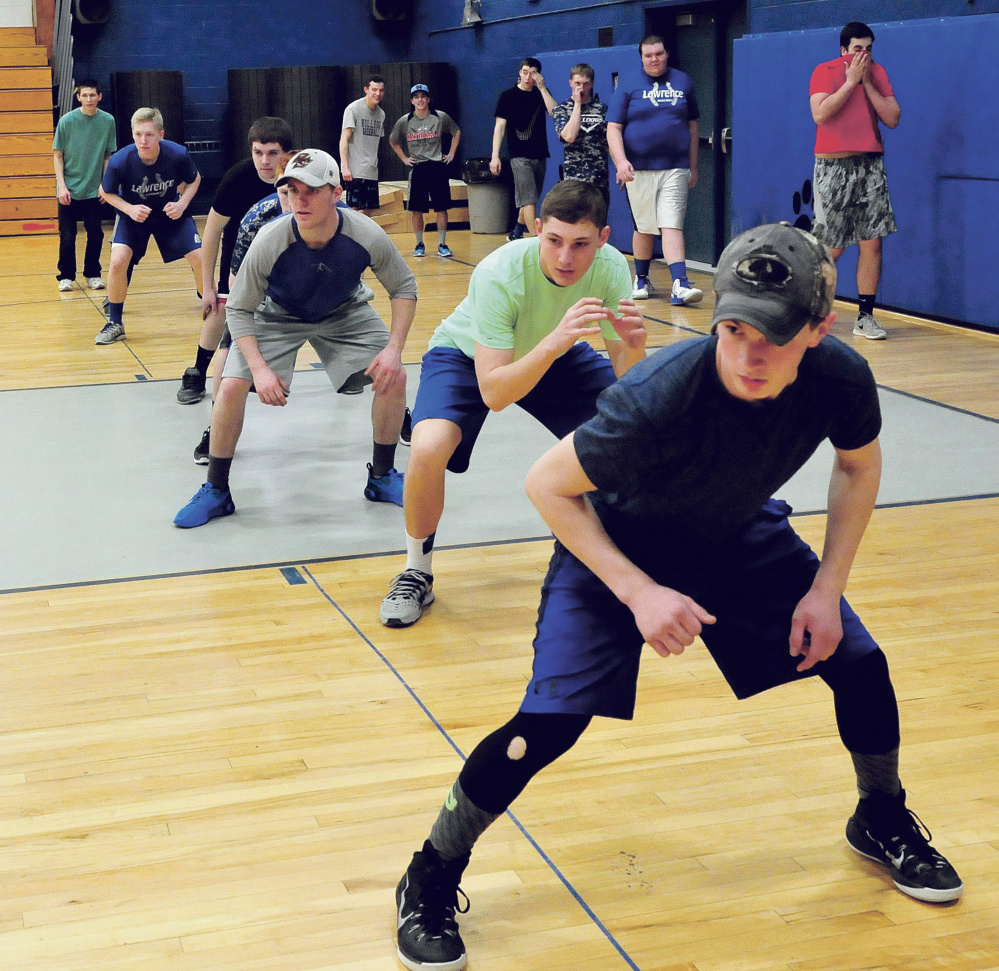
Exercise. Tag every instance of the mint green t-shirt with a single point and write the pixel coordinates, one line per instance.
(512, 304)
(85, 141)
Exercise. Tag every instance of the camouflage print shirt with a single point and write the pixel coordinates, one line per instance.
(586, 157)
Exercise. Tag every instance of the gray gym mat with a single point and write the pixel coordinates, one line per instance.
(96, 474)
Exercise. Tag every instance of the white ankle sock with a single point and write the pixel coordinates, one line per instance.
(420, 553)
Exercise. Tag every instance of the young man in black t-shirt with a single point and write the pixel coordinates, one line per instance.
(520, 114)
(665, 531)
(244, 185)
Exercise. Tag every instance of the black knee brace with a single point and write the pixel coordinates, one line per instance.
(504, 762)
(866, 709)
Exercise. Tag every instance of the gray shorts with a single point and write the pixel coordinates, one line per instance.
(851, 200)
(528, 178)
(346, 342)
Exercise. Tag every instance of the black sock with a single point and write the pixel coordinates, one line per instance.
(865, 302)
(382, 459)
(203, 360)
(218, 471)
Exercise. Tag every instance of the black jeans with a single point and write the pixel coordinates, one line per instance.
(89, 210)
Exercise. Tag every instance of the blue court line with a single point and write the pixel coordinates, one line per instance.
(440, 728)
(282, 564)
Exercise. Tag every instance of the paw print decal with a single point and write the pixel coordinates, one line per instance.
(798, 202)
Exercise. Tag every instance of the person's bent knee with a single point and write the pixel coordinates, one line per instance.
(121, 256)
(434, 441)
(232, 392)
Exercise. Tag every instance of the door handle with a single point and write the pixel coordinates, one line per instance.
(726, 140)
(710, 139)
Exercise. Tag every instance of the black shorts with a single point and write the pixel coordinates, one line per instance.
(362, 194)
(429, 188)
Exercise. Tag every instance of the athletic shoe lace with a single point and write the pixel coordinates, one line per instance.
(913, 844)
(408, 585)
(437, 906)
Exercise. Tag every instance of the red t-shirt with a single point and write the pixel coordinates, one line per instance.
(855, 126)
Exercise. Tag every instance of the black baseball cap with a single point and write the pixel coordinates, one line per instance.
(774, 278)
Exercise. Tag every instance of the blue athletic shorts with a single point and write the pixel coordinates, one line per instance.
(174, 237)
(587, 648)
(562, 400)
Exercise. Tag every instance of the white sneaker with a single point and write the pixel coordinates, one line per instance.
(110, 333)
(681, 295)
(411, 591)
(867, 326)
(641, 288)
(95, 283)
(65, 286)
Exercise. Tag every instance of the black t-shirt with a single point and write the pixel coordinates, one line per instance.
(526, 118)
(240, 189)
(681, 464)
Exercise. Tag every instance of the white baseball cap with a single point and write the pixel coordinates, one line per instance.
(312, 166)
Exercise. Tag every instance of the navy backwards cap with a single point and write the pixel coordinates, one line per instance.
(773, 278)
(312, 166)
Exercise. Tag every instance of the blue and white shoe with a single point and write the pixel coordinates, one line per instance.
(444, 250)
(684, 293)
(207, 503)
(388, 488)
(641, 289)
(420, 250)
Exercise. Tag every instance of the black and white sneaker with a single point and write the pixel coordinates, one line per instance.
(201, 450)
(884, 830)
(426, 902)
(406, 435)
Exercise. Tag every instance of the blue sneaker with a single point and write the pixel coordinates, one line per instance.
(386, 489)
(420, 250)
(207, 503)
(444, 250)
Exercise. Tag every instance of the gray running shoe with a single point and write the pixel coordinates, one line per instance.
(411, 591)
(192, 387)
(867, 326)
(110, 333)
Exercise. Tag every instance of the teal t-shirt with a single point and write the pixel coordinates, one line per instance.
(512, 304)
(85, 141)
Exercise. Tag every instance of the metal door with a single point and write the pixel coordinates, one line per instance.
(700, 38)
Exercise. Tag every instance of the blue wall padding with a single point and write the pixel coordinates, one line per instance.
(942, 160)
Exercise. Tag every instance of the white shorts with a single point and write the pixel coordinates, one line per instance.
(658, 199)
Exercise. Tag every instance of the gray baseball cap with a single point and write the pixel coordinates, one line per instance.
(774, 278)
(312, 166)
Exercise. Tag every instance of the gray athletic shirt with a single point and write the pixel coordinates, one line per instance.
(282, 279)
(362, 149)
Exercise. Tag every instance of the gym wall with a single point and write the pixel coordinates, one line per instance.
(943, 171)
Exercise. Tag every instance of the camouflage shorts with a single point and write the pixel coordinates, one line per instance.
(851, 200)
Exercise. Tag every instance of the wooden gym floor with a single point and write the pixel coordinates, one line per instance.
(229, 769)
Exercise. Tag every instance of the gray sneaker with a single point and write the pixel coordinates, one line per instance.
(192, 387)
(111, 332)
(411, 591)
(867, 326)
